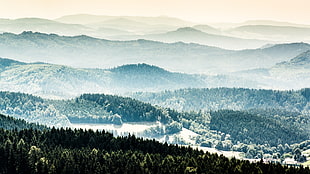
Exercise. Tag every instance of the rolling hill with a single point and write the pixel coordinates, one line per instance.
(180, 57)
(58, 81)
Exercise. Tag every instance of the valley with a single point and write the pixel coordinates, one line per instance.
(89, 93)
(248, 129)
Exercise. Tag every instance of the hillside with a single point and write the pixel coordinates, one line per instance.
(300, 61)
(31, 109)
(10, 123)
(6, 63)
(32, 47)
(263, 128)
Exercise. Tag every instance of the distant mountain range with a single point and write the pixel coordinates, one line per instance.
(193, 35)
(92, 25)
(258, 22)
(276, 33)
(246, 35)
(88, 19)
(88, 52)
(42, 25)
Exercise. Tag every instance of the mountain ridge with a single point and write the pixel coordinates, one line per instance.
(194, 35)
(99, 18)
(101, 53)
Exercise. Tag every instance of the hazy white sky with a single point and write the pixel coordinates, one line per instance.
(195, 10)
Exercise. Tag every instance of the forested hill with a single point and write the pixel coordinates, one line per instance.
(77, 151)
(88, 108)
(31, 108)
(229, 98)
(8, 123)
(59, 81)
(152, 78)
(100, 108)
(258, 128)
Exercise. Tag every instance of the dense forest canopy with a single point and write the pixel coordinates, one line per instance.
(229, 98)
(86, 151)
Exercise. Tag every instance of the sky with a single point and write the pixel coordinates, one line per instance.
(202, 11)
